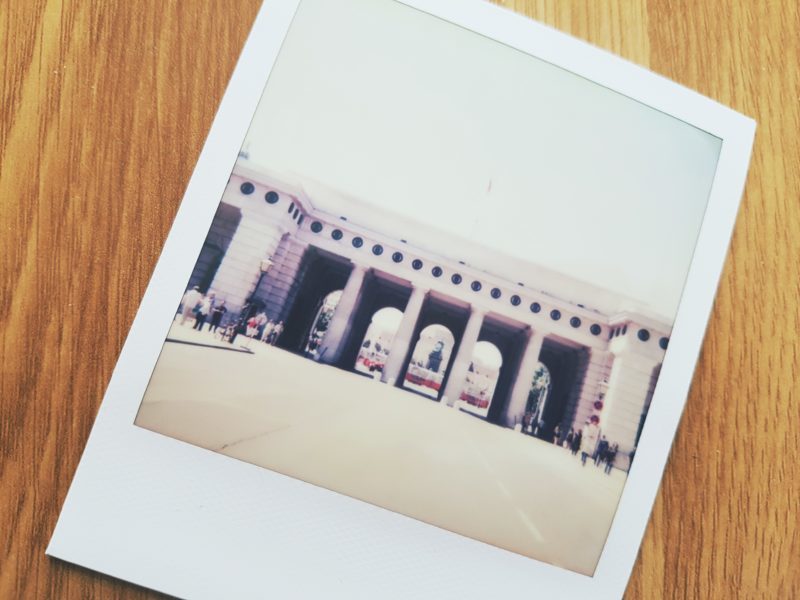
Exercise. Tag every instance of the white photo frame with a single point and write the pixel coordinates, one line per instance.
(188, 522)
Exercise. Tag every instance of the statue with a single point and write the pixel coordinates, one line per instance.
(435, 357)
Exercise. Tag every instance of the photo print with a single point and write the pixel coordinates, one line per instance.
(441, 280)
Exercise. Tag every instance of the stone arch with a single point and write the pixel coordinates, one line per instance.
(510, 341)
(377, 293)
(566, 365)
(430, 359)
(377, 341)
(320, 274)
(482, 378)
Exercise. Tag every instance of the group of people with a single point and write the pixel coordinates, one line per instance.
(200, 307)
(592, 444)
(260, 327)
(588, 441)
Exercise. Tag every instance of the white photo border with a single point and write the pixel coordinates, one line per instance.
(192, 523)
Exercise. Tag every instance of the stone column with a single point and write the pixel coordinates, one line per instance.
(342, 320)
(402, 338)
(458, 372)
(518, 400)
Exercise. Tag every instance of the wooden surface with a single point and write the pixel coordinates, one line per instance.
(105, 106)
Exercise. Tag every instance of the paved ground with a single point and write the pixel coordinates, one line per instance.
(360, 437)
(187, 334)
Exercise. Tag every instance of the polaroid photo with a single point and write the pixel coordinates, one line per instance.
(425, 323)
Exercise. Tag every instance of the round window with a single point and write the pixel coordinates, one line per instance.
(316, 227)
(271, 198)
(247, 188)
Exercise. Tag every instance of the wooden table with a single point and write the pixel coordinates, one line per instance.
(105, 106)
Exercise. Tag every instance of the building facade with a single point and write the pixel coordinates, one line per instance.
(270, 248)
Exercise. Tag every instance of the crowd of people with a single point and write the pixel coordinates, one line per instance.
(592, 445)
(589, 441)
(199, 309)
(261, 328)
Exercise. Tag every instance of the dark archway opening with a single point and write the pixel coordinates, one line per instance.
(320, 324)
(650, 391)
(537, 397)
(223, 227)
(378, 292)
(436, 311)
(320, 274)
(509, 339)
(567, 366)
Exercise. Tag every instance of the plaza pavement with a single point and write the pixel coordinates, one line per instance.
(395, 449)
(186, 334)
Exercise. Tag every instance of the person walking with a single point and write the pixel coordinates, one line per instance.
(202, 312)
(252, 326)
(189, 302)
(576, 442)
(267, 335)
(526, 422)
(589, 440)
(556, 434)
(216, 315)
(602, 448)
(569, 438)
(276, 333)
(611, 456)
(261, 323)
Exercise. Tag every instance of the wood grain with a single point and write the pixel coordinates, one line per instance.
(105, 106)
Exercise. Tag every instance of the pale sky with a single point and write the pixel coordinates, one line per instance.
(419, 116)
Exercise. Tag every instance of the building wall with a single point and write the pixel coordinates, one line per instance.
(619, 352)
(259, 235)
(278, 289)
(626, 398)
(598, 368)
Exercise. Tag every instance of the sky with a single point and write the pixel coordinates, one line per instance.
(423, 118)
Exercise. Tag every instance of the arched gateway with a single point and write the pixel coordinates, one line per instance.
(600, 361)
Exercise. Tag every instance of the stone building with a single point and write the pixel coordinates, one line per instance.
(271, 248)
